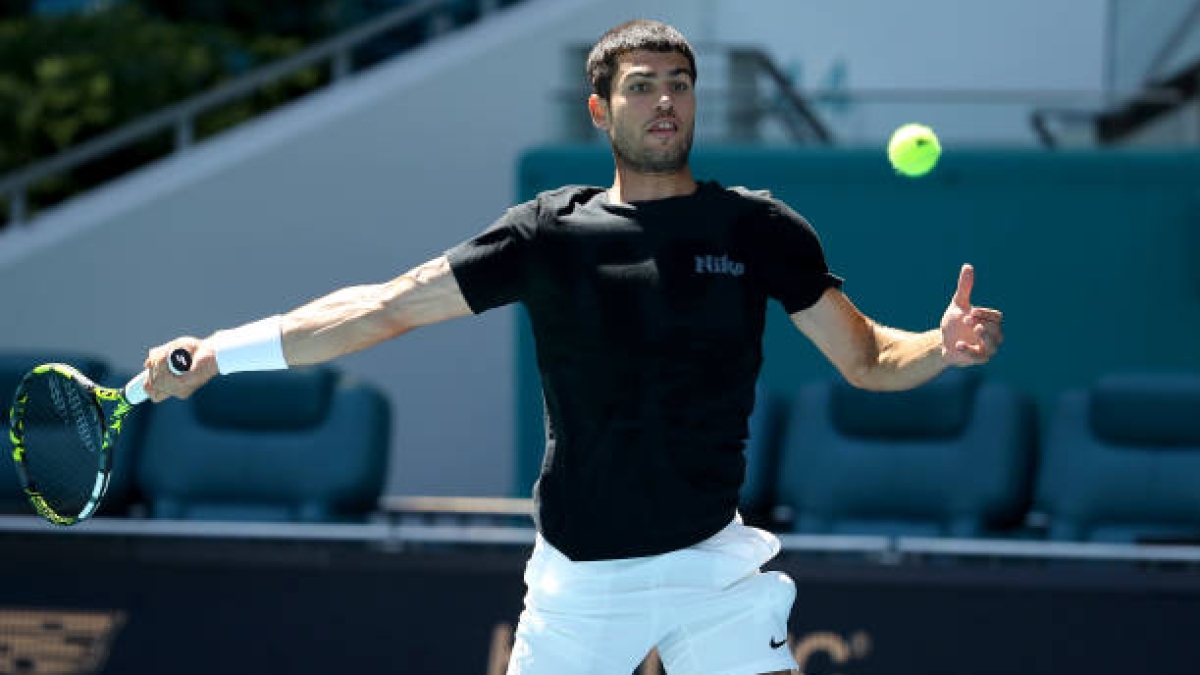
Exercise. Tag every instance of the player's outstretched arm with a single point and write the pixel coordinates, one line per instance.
(345, 321)
(872, 356)
(358, 317)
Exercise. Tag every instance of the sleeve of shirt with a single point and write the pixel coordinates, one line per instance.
(491, 267)
(796, 272)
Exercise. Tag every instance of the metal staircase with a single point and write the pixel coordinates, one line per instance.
(1153, 84)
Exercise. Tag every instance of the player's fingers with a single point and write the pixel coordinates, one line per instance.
(975, 353)
(150, 385)
(967, 357)
(173, 380)
(202, 367)
(161, 383)
(989, 343)
(984, 331)
(151, 364)
(966, 280)
(986, 314)
(990, 333)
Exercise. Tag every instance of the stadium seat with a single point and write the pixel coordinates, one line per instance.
(951, 458)
(1122, 461)
(14, 366)
(294, 446)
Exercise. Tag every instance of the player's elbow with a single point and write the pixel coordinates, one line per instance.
(860, 375)
(864, 364)
(868, 369)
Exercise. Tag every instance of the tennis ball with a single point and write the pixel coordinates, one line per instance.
(914, 150)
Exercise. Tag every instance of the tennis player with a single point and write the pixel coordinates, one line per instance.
(648, 301)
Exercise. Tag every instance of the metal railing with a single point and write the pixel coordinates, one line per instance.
(181, 117)
(1135, 108)
(392, 533)
(744, 97)
(1187, 26)
(741, 93)
(1049, 111)
(799, 117)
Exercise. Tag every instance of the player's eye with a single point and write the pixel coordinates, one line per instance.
(639, 87)
(680, 86)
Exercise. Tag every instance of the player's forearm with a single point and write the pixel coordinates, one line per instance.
(902, 360)
(342, 322)
(345, 321)
(358, 317)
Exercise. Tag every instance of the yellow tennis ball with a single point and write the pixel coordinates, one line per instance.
(914, 150)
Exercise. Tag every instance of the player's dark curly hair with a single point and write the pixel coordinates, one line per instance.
(644, 34)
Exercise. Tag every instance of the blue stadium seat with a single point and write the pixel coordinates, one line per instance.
(951, 458)
(1122, 461)
(14, 366)
(300, 446)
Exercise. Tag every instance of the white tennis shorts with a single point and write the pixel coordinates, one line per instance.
(706, 608)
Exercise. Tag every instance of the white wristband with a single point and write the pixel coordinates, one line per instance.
(255, 346)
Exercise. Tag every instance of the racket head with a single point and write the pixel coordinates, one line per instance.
(62, 441)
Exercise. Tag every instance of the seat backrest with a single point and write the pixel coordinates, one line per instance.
(950, 458)
(300, 445)
(13, 367)
(1121, 460)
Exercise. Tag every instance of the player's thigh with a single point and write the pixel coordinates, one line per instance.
(739, 630)
(553, 643)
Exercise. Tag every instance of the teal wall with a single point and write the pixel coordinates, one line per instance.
(1093, 256)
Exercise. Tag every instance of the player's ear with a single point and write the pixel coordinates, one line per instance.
(598, 108)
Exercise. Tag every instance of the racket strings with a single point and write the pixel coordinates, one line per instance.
(63, 430)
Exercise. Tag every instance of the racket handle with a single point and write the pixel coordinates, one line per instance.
(135, 391)
(179, 362)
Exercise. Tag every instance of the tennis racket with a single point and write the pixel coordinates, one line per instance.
(63, 428)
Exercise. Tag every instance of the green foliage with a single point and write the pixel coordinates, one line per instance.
(66, 79)
(305, 19)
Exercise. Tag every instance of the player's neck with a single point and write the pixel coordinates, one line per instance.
(629, 186)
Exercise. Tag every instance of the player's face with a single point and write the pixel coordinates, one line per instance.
(652, 111)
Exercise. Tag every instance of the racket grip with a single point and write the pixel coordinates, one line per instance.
(179, 362)
(135, 391)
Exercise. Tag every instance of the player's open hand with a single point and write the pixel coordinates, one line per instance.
(970, 335)
(162, 384)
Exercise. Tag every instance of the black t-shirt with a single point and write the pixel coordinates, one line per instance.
(648, 320)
